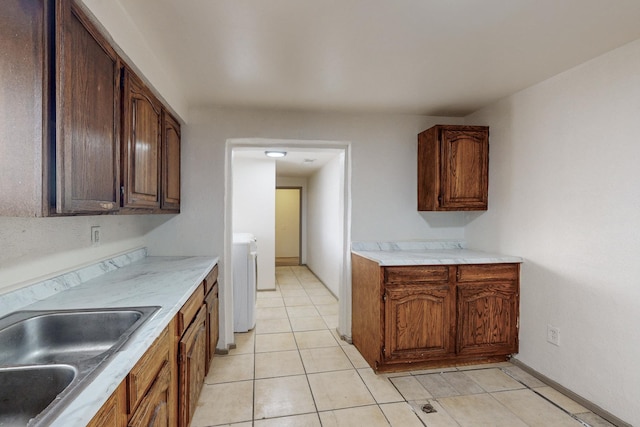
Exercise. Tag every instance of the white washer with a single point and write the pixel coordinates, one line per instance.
(244, 279)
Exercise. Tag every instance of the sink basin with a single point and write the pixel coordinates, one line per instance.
(48, 357)
(62, 337)
(27, 391)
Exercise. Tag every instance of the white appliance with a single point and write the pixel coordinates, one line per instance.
(244, 279)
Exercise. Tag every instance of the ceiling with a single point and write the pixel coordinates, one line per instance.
(432, 57)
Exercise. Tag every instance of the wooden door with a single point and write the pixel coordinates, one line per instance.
(141, 145)
(419, 322)
(288, 226)
(88, 116)
(464, 167)
(23, 103)
(154, 408)
(192, 366)
(170, 163)
(488, 307)
(113, 412)
(212, 304)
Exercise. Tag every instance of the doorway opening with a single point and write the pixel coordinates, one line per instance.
(288, 226)
(325, 224)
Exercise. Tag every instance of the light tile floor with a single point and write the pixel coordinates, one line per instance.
(293, 370)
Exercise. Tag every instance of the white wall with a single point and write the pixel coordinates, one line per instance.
(325, 222)
(383, 179)
(121, 29)
(254, 211)
(564, 193)
(34, 249)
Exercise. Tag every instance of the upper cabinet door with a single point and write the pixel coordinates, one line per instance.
(465, 167)
(142, 116)
(23, 103)
(453, 168)
(170, 163)
(88, 116)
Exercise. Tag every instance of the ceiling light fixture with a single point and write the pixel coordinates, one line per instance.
(275, 154)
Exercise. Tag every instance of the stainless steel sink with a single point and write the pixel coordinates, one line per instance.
(62, 337)
(27, 390)
(51, 355)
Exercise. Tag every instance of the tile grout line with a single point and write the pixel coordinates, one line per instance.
(585, 424)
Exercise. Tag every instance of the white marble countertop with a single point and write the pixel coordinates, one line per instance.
(153, 281)
(427, 253)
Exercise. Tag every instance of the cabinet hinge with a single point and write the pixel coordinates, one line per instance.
(383, 349)
(384, 297)
(180, 358)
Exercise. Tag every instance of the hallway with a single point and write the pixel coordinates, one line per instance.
(293, 370)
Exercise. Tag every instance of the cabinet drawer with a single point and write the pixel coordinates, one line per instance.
(146, 370)
(484, 272)
(190, 309)
(211, 279)
(416, 274)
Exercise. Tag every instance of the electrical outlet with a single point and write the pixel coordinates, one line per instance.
(95, 235)
(553, 335)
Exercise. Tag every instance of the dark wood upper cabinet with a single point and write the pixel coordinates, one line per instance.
(170, 163)
(453, 168)
(63, 104)
(24, 94)
(87, 116)
(142, 124)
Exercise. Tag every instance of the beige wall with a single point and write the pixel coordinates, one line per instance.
(287, 222)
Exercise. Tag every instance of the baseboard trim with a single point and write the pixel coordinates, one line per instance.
(576, 397)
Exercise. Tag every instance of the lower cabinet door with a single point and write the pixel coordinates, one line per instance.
(113, 412)
(212, 304)
(153, 410)
(488, 318)
(419, 322)
(192, 355)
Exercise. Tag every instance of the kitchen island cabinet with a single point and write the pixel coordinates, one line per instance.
(423, 316)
